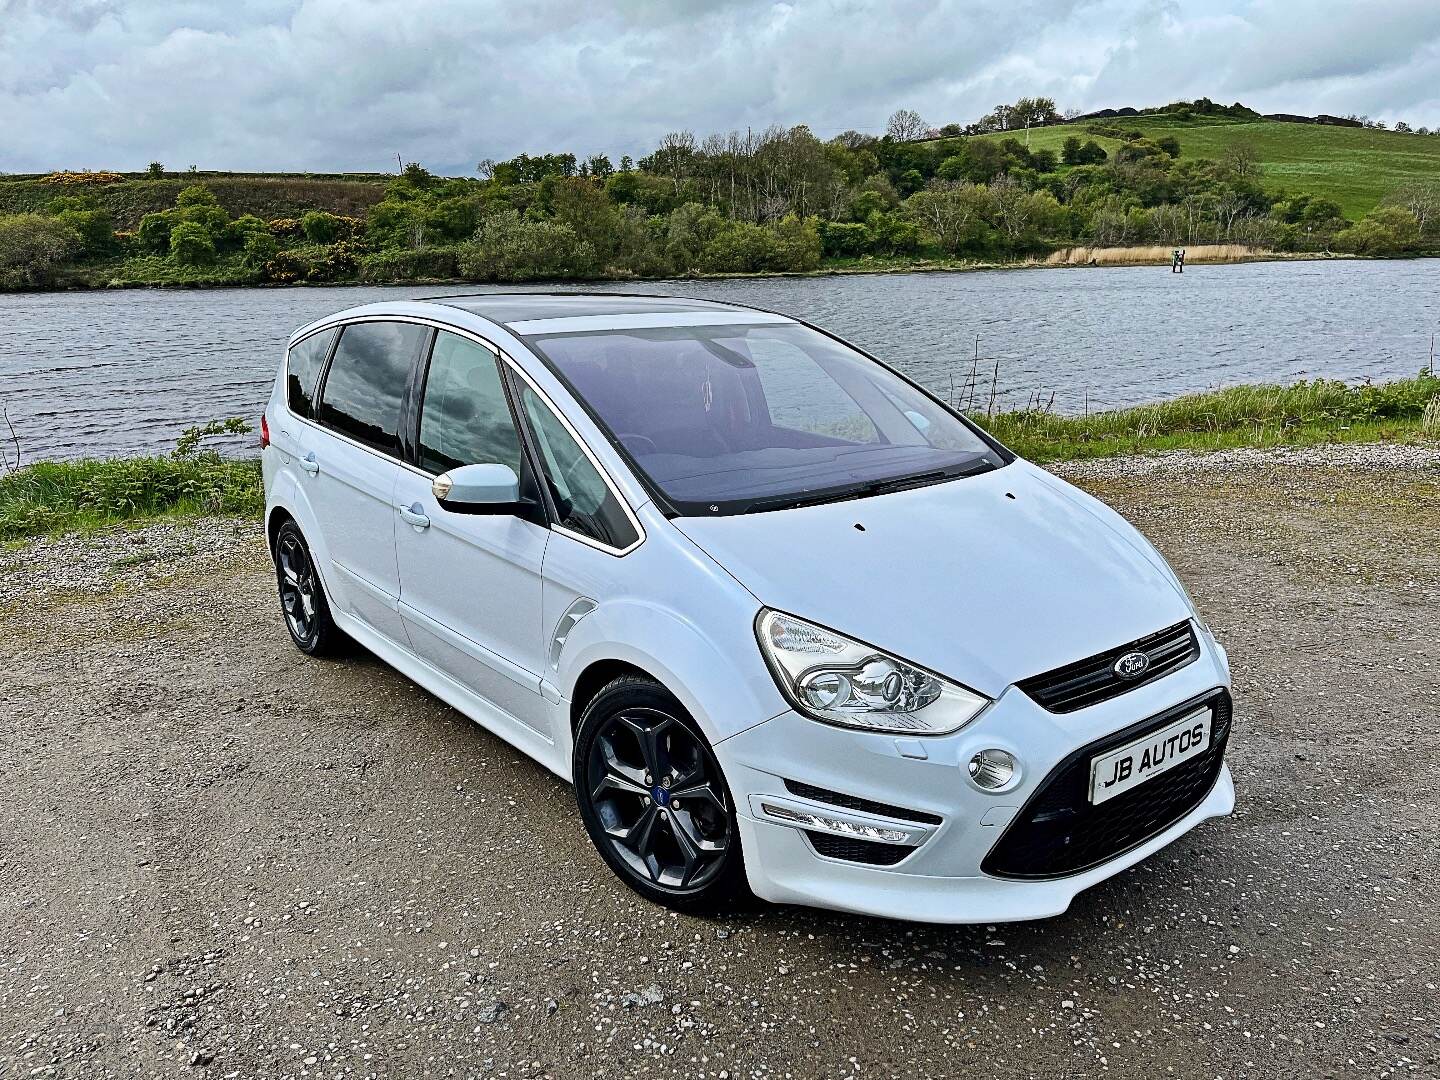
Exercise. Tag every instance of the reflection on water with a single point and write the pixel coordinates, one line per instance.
(126, 371)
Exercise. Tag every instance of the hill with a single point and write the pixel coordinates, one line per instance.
(1354, 166)
(268, 195)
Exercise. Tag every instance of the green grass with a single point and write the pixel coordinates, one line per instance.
(81, 496)
(1356, 167)
(1302, 414)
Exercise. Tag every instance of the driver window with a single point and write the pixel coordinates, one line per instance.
(583, 500)
(465, 419)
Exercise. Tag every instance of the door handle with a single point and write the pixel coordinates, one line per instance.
(412, 515)
(309, 464)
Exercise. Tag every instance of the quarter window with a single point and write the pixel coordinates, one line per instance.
(365, 387)
(302, 369)
(465, 419)
(584, 502)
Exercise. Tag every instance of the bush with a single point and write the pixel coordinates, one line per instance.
(196, 195)
(284, 268)
(31, 247)
(320, 227)
(1387, 230)
(511, 248)
(409, 265)
(844, 239)
(259, 249)
(154, 232)
(191, 245)
(91, 223)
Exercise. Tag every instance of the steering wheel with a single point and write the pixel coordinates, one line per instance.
(628, 440)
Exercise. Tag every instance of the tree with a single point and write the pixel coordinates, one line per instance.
(156, 170)
(1241, 158)
(1422, 200)
(1070, 150)
(906, 125)
(952, 213)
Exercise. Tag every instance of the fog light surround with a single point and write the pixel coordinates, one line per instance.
(994, 771)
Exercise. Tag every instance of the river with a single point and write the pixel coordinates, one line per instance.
(123, 372)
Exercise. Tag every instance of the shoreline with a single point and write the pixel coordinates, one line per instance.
(896, 268)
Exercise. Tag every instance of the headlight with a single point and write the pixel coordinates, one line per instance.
(832, 678)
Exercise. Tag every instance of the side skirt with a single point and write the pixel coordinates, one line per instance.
(487, 715)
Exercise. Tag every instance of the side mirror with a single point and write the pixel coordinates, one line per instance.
(478, 489)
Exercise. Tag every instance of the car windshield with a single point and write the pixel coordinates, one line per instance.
(740, 418)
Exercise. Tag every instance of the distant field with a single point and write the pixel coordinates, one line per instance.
(1354, 166)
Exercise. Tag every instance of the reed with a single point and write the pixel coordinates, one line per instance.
(1156, 253)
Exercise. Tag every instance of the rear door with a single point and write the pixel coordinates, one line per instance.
(470, 583)
(352, 462)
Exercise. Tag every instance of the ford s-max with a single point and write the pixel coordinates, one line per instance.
(789, 624)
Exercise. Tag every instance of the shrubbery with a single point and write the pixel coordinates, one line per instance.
(32, 247)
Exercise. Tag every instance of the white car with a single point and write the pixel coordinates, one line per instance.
(791, 625)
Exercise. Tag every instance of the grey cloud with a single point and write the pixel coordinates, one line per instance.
(347, 84)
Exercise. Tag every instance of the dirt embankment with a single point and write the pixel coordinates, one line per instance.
(218, 857)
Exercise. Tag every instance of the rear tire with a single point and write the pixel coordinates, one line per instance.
(302, 596)
(654, 800)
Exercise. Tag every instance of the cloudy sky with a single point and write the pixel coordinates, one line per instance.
(349, 84)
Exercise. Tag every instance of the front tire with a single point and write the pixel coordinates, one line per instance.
(302, 597)
(654, 800)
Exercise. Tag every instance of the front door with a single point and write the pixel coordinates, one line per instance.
(351, 465)
(470, 583)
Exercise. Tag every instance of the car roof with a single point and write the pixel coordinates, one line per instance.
(529, 313)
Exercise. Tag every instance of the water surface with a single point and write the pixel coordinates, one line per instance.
(98, 373)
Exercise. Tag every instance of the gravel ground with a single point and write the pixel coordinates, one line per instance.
(220, 858)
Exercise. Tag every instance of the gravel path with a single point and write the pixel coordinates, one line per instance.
(220, 858)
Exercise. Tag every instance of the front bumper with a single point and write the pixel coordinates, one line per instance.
(940, 880)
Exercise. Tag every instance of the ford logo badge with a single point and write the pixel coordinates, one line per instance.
(1132, 665)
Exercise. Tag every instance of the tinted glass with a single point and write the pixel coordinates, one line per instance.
(734, 418)
(465, 419)
(583, 500)
(366, 384)
(302, 369)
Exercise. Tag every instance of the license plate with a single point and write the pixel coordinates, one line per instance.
(1117, 771)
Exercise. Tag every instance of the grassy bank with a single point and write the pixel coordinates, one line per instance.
(1355, 167)
(79, 496)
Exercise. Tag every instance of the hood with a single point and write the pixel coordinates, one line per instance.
(986, 580)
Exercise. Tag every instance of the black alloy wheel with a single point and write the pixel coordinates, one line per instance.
(302, 598)
(654, 800)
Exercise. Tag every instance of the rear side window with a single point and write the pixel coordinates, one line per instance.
(465, 419)
(365, 387)
(583, 500)
(302, 369)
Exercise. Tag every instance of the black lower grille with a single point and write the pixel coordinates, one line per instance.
(1094, 679)
(857, 851)
(854, 802)
(1059, 832)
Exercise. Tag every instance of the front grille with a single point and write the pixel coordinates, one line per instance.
(1093, 680)
(1059, 832)
(857, 851)
(854, 802)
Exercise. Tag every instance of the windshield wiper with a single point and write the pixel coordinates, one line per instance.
(874, 487)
